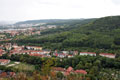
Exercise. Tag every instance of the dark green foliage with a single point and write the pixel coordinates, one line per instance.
(102, 34)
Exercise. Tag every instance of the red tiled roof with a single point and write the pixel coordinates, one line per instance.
(1, 50)
(56, 54)
(34, 46)
(3, 74)
(69, 69)
(36, 51)
(66, 73)
(0, 54)
(58, 69)
(12, 73)
(4, 60)
(88, 52)
(81, 71)
(107, 54)
(70, 55)
(39, 55)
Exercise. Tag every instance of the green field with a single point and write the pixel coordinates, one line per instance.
(24, 67)
(21, 66)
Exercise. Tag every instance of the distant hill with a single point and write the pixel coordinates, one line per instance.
(45, 21)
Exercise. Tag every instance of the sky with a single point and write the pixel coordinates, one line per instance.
(20, 10)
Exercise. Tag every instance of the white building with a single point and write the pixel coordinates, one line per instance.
(87, 53)
(4, 61)
(109, 55)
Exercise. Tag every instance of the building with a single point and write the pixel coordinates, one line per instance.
(65, 52)
(6, 74)
(8, 46)
(69, 70)
(34, 47)
(109, 55)
(1, 52)
(69, 56)
(74, 52)
(3, 74)
(4, 61)
(80, 72)
(61, 55)
(87, 53)
(58, 69)
(47, 51)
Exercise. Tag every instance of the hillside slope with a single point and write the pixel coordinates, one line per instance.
(103, 33)
(66, 25)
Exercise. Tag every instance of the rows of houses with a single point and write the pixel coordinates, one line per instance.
(16, 32)
(108, 55)
(25, 31)
(38, 51)
(63, 54)
(69, 71)
(6, 74)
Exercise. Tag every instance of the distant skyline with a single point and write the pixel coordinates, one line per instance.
(22, 10)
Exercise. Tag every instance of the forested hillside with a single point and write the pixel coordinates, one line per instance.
(103, 34)
(66, 25)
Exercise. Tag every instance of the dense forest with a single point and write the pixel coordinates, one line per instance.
(65, 25)
(102, 34)
(98, 68)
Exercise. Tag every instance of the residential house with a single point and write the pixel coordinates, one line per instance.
(8, 46)
(74, 52)
(47, 51)
(1, 52)
(87, 53)
(69, 70)
(109, 55)
(11, 74)
(39, 55)
(69, 56)
(80, 72)
(3, 74)
(14, 45)
(4, 61)
(34, 47)
(25, 51)
(59, 69)
(65, 52)
(6, 74)
(18, 48)
(61, 55)
(37, 52)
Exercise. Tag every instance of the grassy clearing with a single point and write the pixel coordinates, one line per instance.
(21, 66)
(11, 62)
(24, 67)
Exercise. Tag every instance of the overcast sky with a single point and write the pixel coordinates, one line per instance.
(12, 10)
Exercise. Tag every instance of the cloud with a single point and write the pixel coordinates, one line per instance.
(51, 9)
(117, 2)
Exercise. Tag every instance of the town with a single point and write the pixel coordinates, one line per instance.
(40, 52)
(23, 30)
(15, 49)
